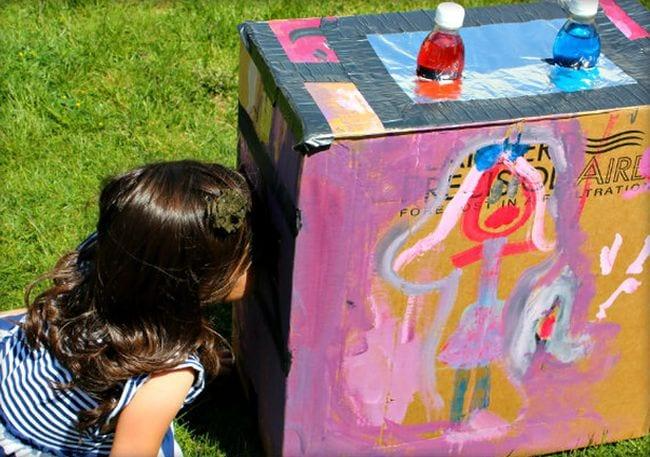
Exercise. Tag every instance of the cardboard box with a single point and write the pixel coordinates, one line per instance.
(446, 269)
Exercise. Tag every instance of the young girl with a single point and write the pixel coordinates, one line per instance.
(106, 356)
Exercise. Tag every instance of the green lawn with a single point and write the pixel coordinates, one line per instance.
(89, 89)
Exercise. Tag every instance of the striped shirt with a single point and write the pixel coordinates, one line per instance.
(42, 417)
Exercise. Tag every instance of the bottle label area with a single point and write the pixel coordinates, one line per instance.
(441, 57)
(577, 45)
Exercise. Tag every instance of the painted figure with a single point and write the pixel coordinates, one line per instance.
(538, 315)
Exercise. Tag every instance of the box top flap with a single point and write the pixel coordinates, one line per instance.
(350, 77)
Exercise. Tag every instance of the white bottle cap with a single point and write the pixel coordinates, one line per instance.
(450, 15)
(583, 8)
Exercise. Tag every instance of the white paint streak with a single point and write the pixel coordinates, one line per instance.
(608, 255)
(408, 324)
(629, 286)
(376, 316)
(636, 267)
(449, 219)
(431, 342)
(481, 425)
(522, 167)
(561, 344)
(351, 100)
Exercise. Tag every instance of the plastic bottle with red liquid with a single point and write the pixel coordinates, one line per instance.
(442, 54)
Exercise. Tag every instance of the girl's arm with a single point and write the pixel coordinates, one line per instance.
(142, 424)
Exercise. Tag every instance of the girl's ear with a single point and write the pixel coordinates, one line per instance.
(240, 287)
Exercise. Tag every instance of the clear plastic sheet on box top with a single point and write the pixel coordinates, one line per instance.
(507, 75)
(501, 61)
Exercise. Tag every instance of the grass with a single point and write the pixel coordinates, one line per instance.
(91, 88)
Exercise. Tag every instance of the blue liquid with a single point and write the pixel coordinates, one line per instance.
(574, 79)
(577, 45)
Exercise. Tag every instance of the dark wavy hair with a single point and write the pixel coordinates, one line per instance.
(130, 302)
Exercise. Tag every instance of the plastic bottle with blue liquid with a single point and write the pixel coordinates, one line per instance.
(577, 44)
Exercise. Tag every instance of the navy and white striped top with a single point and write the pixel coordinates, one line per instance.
(43, 417)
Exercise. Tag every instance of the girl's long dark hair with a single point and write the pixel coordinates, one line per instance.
(130, 303)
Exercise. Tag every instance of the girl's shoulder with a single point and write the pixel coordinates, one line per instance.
(15, 351)
(29, 377)
(133, 384)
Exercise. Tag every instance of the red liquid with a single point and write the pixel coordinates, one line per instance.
(441, 57)
(436, 90)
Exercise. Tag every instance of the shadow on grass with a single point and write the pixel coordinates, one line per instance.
(222, 414)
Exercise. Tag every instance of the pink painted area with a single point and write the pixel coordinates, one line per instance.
(355, 368)
(644, 165)
(302, 41)
(477, 341)
(383, 393)
(636, 267)
(608, 255)
(632, 193)
(629, 286)
(628, 26)
(560, 398)
(359, 362)
(480, 426)
(570, 238)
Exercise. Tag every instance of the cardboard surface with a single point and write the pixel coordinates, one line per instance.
(452, 312)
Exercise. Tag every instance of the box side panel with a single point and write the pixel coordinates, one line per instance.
(478, 291)
(261, 320)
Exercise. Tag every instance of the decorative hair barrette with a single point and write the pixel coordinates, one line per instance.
(226, 210)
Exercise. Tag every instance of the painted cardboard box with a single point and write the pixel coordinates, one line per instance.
(446, 270)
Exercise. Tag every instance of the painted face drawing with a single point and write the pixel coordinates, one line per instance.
(534, 317)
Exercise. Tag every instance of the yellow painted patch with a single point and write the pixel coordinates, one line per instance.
(347, 112)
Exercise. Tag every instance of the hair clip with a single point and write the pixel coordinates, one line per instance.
(226, 210)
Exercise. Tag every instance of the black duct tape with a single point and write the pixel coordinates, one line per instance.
(358, 63)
